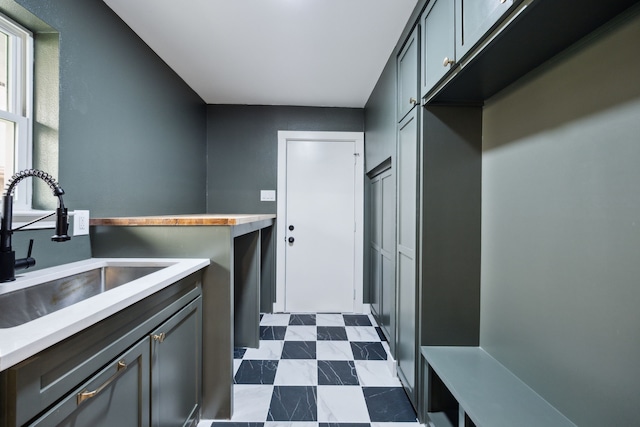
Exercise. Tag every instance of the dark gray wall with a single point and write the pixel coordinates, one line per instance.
(561, 231)
(242, 149)
(132, 134)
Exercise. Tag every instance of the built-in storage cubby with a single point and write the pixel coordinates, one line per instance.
(470, 51)
(141, 366)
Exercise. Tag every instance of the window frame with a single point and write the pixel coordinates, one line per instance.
(20, 94)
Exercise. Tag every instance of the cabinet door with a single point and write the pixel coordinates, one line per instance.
(116, 396)
(176, 368)
(408, 75)
(407, 251)
(474, 18)
(388, 258)
(438, 41)
(375, 232)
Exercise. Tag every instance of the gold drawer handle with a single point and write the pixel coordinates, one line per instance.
(159, 337)
(86, 395)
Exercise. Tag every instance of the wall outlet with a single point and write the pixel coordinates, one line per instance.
(80, 223)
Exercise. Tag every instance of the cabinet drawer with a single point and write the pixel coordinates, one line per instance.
(115, 396)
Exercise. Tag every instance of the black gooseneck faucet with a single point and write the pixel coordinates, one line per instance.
(8, 262)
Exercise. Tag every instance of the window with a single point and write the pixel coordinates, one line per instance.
(16, 94)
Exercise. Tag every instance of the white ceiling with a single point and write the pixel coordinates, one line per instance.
(272, 52)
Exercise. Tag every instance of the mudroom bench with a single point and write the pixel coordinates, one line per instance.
(467, 387)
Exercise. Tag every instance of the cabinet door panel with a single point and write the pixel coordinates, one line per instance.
(438, 41)
(474, 18)
(387, 253)
(124, 400)
(176, 367)
(408, 75)
(407, 253)
(375, 231)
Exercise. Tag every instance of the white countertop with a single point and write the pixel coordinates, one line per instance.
(23, 341)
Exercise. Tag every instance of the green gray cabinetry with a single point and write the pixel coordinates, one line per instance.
(407, 254)
(474, 18)
(116, 372)
(123, 398)
(408, 66)
(383, 250)
(438, 42)
(406, 211)
(176, 368)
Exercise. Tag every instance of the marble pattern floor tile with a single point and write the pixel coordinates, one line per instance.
(341, 404)
(302, 319)
(368, 350)
(329, 319)
(299, 350)
(334, 350)
(317, 370)
(362, 333)
(301, 333)
(297, 372)
(337, 372)
(331, 333)
(256, 372)
(293, 403)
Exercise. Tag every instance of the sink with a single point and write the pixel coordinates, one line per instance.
(21, 306)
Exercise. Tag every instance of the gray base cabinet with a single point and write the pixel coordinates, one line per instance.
(139, 367)
(176, 369)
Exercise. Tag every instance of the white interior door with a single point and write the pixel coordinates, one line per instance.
(319, 235)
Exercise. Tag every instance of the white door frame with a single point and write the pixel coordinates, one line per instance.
(289, 136)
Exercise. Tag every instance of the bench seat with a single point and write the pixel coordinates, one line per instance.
(487, 393)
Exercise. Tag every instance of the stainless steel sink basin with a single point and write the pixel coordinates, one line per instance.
(24, 305)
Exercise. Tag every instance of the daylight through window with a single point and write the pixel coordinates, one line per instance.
(16, 75)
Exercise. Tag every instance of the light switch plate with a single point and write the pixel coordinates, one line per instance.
(267, 195)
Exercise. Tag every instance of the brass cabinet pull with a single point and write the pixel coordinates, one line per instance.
(448, 61)
(86, 395)
(159, 337)
(413, 101)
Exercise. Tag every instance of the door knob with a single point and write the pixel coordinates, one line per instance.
(291, 227)
(448, 61)
(291, 239)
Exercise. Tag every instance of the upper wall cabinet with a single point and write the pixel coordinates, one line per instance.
(491, 35)
(438, 42)
(474, 18)
(408, 82)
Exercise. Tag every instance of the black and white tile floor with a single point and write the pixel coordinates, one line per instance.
(312, 370)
